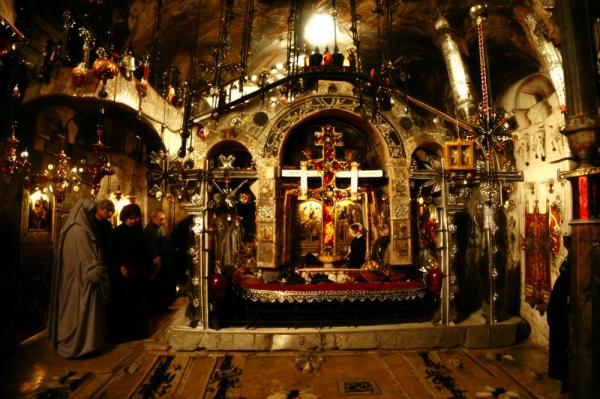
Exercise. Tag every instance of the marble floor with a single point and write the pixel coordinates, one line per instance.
(151, 369)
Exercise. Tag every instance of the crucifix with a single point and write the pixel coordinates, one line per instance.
(328, 168)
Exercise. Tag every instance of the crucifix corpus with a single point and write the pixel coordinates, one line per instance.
(328, 168)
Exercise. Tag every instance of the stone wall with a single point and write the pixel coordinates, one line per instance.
(540, 151)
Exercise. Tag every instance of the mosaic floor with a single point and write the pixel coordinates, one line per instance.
(149, 369)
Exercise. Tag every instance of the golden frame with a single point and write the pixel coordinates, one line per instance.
(38, 216)
(459, 155)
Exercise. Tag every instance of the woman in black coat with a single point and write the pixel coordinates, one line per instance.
(131, 270)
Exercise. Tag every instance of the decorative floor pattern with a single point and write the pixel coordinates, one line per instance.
(358, 386)
(149, 369)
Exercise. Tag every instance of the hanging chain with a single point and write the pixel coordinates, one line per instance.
(483, 68)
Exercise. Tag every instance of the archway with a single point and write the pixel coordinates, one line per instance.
(333, 155)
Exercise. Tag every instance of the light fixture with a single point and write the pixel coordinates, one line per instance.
(320, 30)
(102, 166)
(13, 162)
(57, 179)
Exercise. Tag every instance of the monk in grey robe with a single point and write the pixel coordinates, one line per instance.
(80, 281)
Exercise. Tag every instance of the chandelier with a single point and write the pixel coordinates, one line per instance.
(58, 179)
(101, 167)
(13, 162)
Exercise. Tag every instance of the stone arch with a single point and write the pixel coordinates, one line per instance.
(532, 101)
(243, 156)
(345, 107)
(357, 132)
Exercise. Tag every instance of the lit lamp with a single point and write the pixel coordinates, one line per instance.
(102, 166)
(104, 68)
(57, 179)
(12, 162)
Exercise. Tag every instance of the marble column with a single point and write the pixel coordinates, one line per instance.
(458, 74)
(548, 55)
(582, 132)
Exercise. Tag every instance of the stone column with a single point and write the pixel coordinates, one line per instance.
(458, 74)
(266, 214)
(548, 55)
(198, 308)
(401, 253)
(582, 132)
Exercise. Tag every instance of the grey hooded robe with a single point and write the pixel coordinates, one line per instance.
(80, 287)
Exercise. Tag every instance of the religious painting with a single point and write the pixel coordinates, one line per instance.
(538, 249)
(266, 254)
(401, 228)
(346, 213)
(459, 155)
(402, 247)
(38, 215)
(555, 223)
(265, 231)
(308, 227)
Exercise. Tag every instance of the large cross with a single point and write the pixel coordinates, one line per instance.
(328, 168)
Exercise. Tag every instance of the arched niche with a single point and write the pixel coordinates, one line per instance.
(320, 222)
(356, 136)
(227, 148)
(533, 100)
(232, 205)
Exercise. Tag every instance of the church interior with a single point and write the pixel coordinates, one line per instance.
(372, 197)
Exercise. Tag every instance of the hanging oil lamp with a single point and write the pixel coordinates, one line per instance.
(104, 69)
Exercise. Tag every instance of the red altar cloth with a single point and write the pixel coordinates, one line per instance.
(321, 292)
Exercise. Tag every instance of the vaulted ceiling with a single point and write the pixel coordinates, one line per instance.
(191, 27)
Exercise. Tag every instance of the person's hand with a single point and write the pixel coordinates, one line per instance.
(124, 271)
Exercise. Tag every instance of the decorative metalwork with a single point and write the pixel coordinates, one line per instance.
(278, 127)
(164, 173)
(57, 179)
(13, 163)
(410, 293)
(101, 167)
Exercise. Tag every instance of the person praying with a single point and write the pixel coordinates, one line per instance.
(162, 280)
(80, 287)
(130, 273)
(358, 246)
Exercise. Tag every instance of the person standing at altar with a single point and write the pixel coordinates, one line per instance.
(162, 281)
(558, 323)
(357, 250)
(131, 271)
(80, 287)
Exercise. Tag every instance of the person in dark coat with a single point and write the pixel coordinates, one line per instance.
(358, 246)
(80, 288)
(130, 274)
(558, 322)
(162, 281)
(180, 239)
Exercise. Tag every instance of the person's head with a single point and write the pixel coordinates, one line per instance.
(158, 217)
(356, 229)
(131, 214)
(105, 209)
